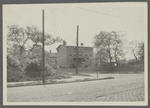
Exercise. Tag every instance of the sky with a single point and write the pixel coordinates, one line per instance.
(62, 20)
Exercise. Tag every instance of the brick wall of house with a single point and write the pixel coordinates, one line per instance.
(85, 56)
(61, 56)
(67, 56)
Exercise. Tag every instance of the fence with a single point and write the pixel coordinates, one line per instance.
(124, 68)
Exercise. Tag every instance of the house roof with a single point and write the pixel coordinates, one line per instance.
(72, 46)
(52, 54)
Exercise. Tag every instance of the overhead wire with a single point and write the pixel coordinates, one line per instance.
(108, 14)
(22, 18)
(29, 22)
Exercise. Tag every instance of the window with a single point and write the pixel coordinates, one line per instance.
(74, 48)
(70, 54)
(70, 48)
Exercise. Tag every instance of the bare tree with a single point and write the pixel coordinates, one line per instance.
(133, 46)
(141, 52)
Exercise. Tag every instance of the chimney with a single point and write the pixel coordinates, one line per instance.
(81, 44)
(64, 42)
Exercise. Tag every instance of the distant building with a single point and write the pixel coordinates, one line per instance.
(66, 56)
(51, 58)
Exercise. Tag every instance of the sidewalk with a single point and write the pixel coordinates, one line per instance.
(75, 78)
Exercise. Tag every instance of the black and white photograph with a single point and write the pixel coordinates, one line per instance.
(75, 54)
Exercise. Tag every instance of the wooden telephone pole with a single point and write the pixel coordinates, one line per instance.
(77, 51)
(43, 54)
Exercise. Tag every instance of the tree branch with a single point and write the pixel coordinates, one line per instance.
(17, 40)
(25, 41)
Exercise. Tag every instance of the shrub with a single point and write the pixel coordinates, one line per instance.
(14, 72)
(33, 70)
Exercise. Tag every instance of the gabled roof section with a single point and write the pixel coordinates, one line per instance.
(58, 47)
(80, 46)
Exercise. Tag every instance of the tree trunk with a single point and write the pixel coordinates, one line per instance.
(116, 58)
(21, 48)
(135, 57)
(110, 58)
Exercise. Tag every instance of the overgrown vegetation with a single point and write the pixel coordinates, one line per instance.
(14, 72)
(24, 53)
(33, 70)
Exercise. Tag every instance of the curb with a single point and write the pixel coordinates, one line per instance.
(55, 82)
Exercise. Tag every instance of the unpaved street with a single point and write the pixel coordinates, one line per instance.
(125, 87)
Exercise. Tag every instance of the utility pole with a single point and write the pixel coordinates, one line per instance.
(43, 55)
(77, 52)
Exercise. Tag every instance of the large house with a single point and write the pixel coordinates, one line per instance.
(67, 56)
